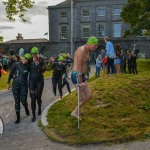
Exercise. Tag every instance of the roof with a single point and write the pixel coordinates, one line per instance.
(66, 3)
(43, 40)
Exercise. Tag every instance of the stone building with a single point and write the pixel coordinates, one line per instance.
(21, 45)
(91, 17)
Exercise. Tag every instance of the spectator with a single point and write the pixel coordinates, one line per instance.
(123, 59)
(134, 64)
(105, 64)
(4, 63)
(117, 64)
(110, 53)
(98, 65)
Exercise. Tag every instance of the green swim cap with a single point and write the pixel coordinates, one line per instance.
(27, 56)
(34, 50)
(92, 40)
(64, 55)
(60, 58)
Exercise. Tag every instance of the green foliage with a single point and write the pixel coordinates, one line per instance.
(137, 14)
(17, 7)
(114, 114)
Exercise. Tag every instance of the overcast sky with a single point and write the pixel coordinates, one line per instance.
(36, 25)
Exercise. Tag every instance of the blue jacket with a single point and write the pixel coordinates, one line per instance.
(109, 48)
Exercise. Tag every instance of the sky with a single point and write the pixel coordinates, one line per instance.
(34, 28)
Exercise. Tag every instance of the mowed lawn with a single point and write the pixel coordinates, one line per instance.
(118, 112)
(3, 79)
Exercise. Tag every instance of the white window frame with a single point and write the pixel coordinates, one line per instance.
(101, 12)
(117, 11)
(88, 32)
(84, 13)
(63, 36)
(101, 32)
(117, 33)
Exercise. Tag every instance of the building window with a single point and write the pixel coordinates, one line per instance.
(63, 32)
(85, 13)
(101, 12)
(117, 30)
(101, 30)
(117, 12)
(86, 31)
(63, 14)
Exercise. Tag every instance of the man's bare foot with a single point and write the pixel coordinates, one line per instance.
(75, 115)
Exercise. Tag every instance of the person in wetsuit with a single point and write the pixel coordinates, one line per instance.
(36, 81)
(20, 71)
(58, 75)
(66, 63)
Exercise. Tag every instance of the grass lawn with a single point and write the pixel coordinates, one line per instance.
(3, 79)
(118, 112)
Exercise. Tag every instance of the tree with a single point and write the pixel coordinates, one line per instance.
(137, 14)
(16, 7)
(1, 39)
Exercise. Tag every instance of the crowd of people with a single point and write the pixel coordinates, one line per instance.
(116, 62)
(27, 73)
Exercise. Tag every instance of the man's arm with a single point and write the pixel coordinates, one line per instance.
(80, 61)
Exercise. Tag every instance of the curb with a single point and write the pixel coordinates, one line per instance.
(45, 111)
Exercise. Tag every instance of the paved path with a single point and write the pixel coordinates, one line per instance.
(28, 136)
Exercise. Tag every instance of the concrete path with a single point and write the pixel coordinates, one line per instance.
(28, 136)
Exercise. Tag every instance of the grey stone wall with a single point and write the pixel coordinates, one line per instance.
(55, 21)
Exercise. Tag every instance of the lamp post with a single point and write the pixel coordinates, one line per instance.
(72, 28)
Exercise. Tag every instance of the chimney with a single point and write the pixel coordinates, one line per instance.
(19, 37)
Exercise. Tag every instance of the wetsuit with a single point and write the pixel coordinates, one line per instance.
(65, 82)
(36, 84)
(59, 70)
(20, 72)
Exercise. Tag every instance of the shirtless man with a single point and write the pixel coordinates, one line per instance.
(81, 58)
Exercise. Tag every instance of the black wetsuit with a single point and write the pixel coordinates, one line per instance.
(20, 72)
(36, 84)
(65, 82)
(59, 70)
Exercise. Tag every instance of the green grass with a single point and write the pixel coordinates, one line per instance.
(3, 79)
(118, 112)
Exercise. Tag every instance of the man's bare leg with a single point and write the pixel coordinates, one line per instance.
(87, 93)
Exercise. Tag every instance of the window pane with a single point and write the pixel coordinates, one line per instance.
(85, 31)
(63, 32)
(101, 30)
(63, 14)
(117, 30)
(117, 11)
(101, 12)
(85, 12)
